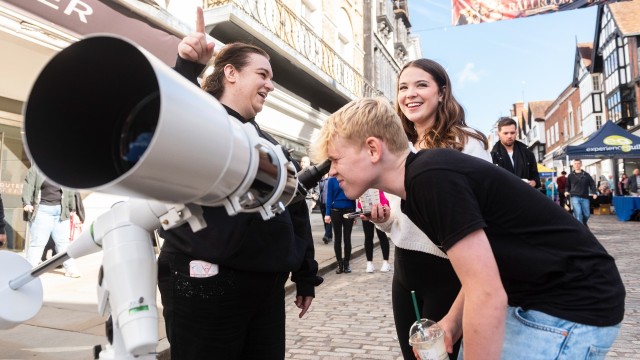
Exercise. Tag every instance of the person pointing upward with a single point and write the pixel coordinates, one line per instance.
(222, 287)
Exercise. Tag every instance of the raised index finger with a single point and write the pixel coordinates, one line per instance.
(199, 20)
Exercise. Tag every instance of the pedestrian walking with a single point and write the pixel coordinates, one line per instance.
(579, 186)
(561, 182)
(322, 203)
(48, 209)
(369, 228)
(339, 205)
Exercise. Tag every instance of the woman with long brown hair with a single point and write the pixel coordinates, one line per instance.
(432, 118)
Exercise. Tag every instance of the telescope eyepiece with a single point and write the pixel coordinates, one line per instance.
(311, 175)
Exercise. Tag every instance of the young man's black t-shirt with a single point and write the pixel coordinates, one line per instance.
(548, 261)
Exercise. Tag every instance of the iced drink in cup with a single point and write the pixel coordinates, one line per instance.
(368, 199)
(427, 339)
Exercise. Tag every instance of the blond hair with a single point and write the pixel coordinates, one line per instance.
(357, 121)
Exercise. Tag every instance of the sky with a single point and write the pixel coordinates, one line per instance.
(494, 65)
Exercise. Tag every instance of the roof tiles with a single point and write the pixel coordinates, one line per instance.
(626, 15)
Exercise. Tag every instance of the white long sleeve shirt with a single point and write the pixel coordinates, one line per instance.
(402, 231)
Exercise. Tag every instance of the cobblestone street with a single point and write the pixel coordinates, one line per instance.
(351, 317)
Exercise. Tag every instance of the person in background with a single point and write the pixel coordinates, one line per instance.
(48, 209)
(579, 185)
(605, 195)
(431, 118)
(514, 156)
(551, 189)
(603, 186)
(634, 182)
(561, 181)
(368, 227)
(51, 246)
(535, 282)
(612, 184)
(322, 203)
(337, 206)
(76, 220)
(223, 287)
(623, 185)
(312, 195)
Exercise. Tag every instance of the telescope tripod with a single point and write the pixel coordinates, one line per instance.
(126, 281)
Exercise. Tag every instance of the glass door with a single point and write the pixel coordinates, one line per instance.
(13, 168)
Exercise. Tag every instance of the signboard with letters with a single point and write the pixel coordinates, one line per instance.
(84, 17)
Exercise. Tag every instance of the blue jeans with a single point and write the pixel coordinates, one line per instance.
(580, 208)
(534, 335)
(47, 223)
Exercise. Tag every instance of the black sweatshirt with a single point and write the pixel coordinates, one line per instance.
(578, 184)
(246, 241)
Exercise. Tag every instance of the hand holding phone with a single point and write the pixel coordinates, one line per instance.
(355, 215)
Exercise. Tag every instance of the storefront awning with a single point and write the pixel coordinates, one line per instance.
(84, 17)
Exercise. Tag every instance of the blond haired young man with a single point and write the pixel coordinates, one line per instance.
(536, 284)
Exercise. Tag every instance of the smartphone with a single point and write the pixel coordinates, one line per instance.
(356, 214)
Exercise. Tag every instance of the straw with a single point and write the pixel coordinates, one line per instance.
(418, 320)
(415, 305)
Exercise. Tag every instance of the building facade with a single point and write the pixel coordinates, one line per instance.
(616, 56)
(605, 87)
(562, 119)
(535, 125)
(388, 44)
(591, 88)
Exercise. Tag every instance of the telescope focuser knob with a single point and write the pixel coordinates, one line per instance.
(278, 208)
(247, 200)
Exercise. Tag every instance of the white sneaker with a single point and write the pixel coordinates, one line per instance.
(385, 267)
(370, 267)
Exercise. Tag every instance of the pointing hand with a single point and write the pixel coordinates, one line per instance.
(194, 46)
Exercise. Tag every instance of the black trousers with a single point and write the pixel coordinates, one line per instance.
(436, 286)
(51, 245)
(233, 315)
(562, 198)
(368, 228)
(341, 226)
(328, 232)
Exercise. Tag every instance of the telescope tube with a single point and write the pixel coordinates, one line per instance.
(106, 115)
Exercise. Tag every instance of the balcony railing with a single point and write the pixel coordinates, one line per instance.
(277, 18)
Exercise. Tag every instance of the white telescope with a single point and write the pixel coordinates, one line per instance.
(135, 127)
(106, 115)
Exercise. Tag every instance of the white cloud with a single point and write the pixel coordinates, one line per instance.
(468, 74)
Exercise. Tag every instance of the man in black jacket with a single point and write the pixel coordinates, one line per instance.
(514, 156)
(579, 184)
